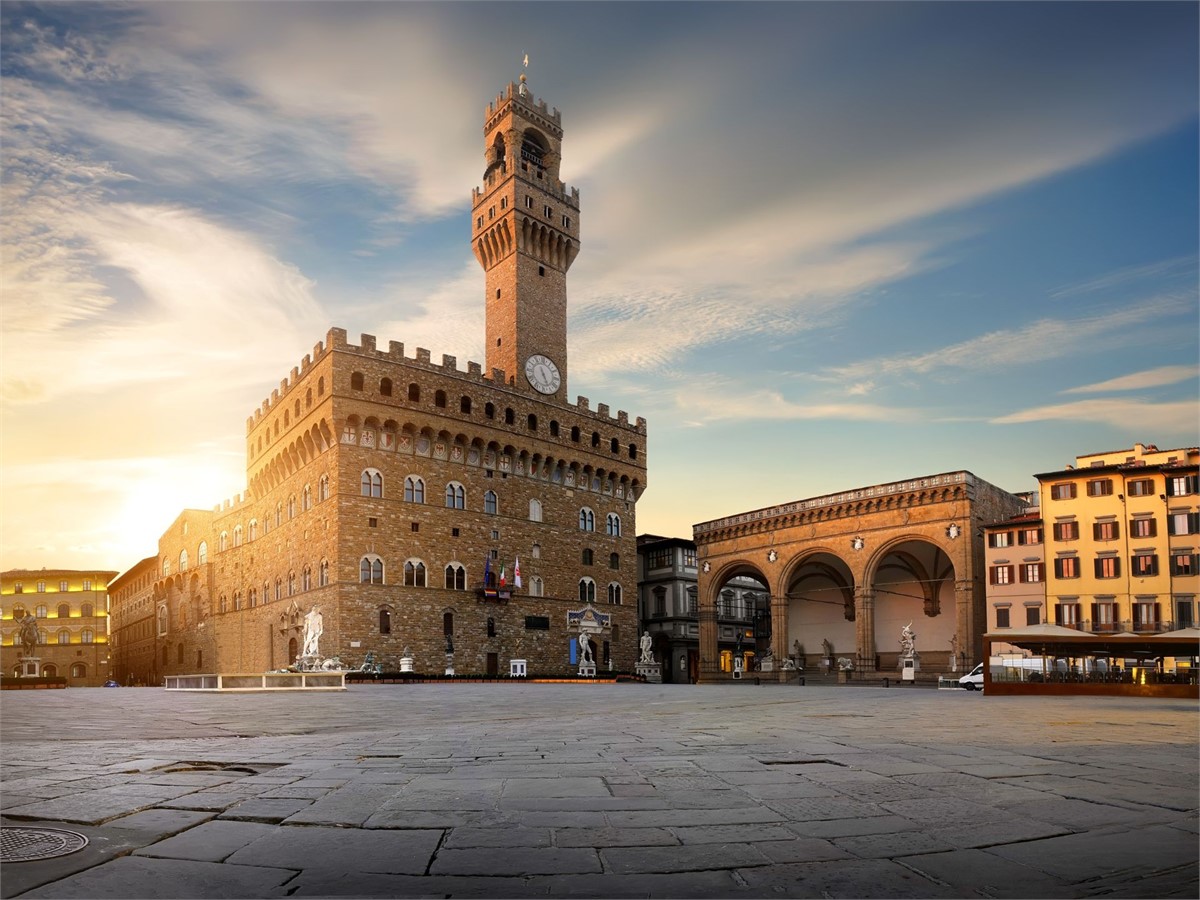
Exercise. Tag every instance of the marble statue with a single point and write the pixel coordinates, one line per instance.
(646, 644)
(954, 653)
(585, 650)
(908, 641)
(314, 627)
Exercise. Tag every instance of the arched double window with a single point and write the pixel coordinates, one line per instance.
(87, 636)
(587, 520)
(183, 561)
(323, 573)
(456, 496)
(237, 535)
(64, 611)
(306, 498)
(79, 670)
(371, 483)
(535, 586)
(278, 588)
(254, 529)
(306, 579)
(64, 636)
(291, 584)
(278, 514)
(587, 590)
(414, 573)
(370, 569)
(614, 593)
(456, 577)
(323, 488)
(414, 489)
(86, 611)
(202, 553)
(613, 525)
(490, 506)
(291, 507)
(223, 541)
(166, 566)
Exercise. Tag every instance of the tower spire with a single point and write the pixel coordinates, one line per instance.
(525, 235)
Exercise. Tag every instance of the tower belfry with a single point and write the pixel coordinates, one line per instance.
(525, 235)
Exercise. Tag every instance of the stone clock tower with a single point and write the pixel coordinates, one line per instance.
(525, 235)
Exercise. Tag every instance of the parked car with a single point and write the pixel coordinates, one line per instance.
(111, 683)
(973, 680)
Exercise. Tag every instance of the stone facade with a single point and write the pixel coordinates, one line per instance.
(132, 624)
(390, 490)
(853, 568)
(71, 606)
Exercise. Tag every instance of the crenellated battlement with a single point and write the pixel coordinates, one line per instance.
(512, 93)
(233, 504)
(367, 347)
(569, 196)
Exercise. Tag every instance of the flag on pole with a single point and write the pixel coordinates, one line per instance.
(487, 570)
(517, 571)
(503, 579)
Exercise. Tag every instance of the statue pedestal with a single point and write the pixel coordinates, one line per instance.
(767, 665)
(909, 666)
(31, 667)
(449, 663)
(652, 672)
(845, 675)
(406, 664)
(588, 671)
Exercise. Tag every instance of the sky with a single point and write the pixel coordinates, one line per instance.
(823, 245)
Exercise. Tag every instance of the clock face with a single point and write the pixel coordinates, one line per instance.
(542, 374)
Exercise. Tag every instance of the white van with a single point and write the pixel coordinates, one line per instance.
(973, 680)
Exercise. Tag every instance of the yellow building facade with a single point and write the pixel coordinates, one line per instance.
(71, 610)
(1122, 534)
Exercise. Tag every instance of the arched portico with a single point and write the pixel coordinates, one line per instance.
(733, 600)
(854, 568)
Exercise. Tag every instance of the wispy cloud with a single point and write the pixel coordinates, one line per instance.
(1132, 414)
(1140, 380)
(1183, 267)
(1038, 341)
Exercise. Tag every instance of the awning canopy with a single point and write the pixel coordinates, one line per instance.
(1055, 640)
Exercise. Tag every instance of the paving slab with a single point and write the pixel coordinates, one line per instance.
(693, 858)
(138, 878)
(515, 861)
(346, 849)
(642, 791)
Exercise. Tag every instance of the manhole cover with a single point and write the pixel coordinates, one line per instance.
(21, 844)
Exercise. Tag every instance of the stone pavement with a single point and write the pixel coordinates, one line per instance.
(630, 790)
